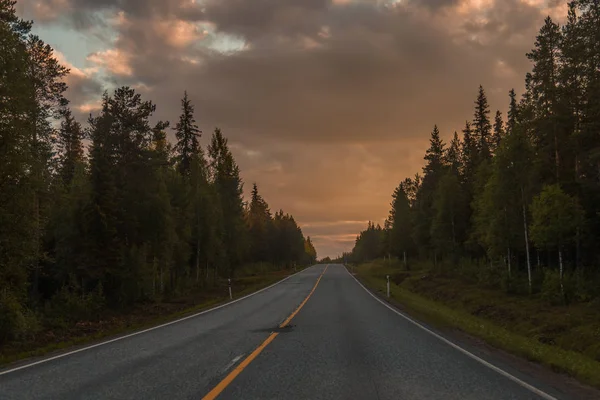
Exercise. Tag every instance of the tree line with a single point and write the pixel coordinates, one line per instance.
(130, 217)
(514, 202)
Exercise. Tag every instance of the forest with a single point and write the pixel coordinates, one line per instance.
(513, 202)
(109, 212)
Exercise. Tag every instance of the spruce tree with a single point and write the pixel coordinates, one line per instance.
(498, 130)
(225, 175)
(453, 155)
(512, 111)
(400, 219)
(18, 250)
(482, 128)
(187, 134)
(70, 146)
(259, 227)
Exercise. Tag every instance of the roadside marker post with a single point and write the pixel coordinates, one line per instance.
(230, 295)
(388, 285)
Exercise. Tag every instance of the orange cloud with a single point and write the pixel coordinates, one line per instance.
(114, 61)
(179, 33)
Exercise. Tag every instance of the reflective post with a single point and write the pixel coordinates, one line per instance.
(388, 285)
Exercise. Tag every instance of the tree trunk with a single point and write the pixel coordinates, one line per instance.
(162, 283)
(453, 232)
(578, 248)
(560, 266)
(198, 259)
(508, 263)
(154, 276)
(215, 276)
(36, 260)
(526, 233)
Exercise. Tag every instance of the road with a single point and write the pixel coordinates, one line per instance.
(341, 344)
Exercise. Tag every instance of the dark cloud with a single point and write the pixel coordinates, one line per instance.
(252, 19)
(330, 104)
(435, 4)
(86, 14)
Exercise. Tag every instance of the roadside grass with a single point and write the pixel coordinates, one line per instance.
(141, 316)
(563, 338)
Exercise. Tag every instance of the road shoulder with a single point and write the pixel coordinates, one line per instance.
(521, 367)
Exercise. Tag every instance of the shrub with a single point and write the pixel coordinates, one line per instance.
(551, 289)
(15, 320)
(69, 305)
(11, 316)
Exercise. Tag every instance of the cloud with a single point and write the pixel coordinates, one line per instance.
(328, 104)
(114, 61)
(84, 87)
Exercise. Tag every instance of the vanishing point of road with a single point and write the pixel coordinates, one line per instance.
(315, 335)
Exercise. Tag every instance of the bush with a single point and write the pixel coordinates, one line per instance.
(68, 305)
(491, 276)
(11, 316)
(15, 320)
(551, 289)
(586, 285)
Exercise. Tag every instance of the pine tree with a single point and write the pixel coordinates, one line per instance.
(400, 220)
(432, 172)
(512, 112)
(102, 221)
(187, 134)
(453, 155)
(469, 157)
(548, 131)
(259, 227)
(17, 223)
(434, 155)
(225, 176)
(45, 76)
(482, 126)
(501, 215)
(121, 171)
(310, 251)
(498, 130)
(70, 146)
(448, 223)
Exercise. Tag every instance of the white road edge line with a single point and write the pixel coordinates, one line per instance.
(231, 363)
(457, 347)
(148, 329)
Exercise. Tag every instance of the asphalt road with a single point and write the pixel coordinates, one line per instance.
(342, 344)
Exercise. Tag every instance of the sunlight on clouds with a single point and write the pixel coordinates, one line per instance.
(180, 33)
(191, 60)
(471, 6)
(89, 107)
(325, 32)
(309, 43)
(74, 71)
(113, 60)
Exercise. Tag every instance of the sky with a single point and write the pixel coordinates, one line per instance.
(327, 104)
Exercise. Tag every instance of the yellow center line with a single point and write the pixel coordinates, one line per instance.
(233, 374)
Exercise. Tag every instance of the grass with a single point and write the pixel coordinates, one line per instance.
(566, 339)
(142, 316)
